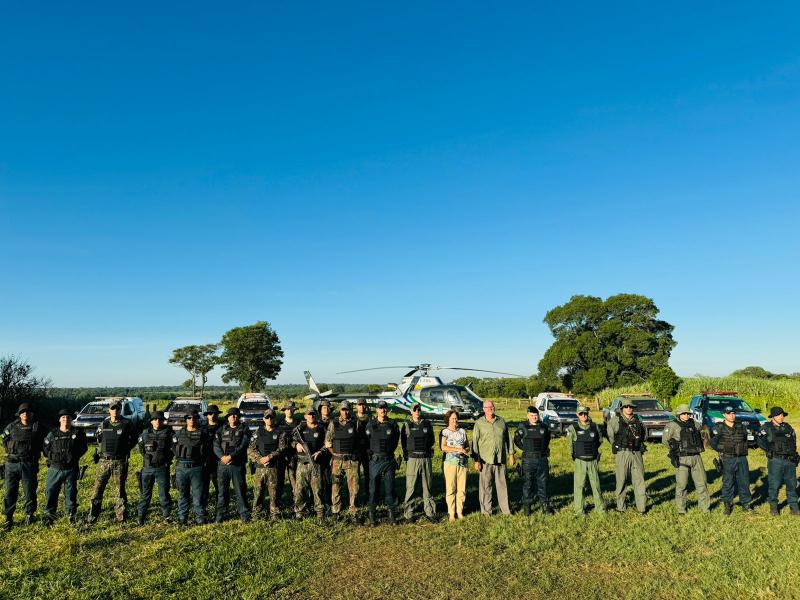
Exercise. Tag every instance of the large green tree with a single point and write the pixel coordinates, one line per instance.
(602, 343)
(251, 355)
(198, 360)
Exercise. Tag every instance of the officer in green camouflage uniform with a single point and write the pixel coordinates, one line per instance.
(116, 436)
(685, 444)
(585, 438)
(627, 436)
(309, 436)
(266, 452)
(343, 441)
(416, 440)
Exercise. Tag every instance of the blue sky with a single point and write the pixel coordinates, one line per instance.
(393, 184)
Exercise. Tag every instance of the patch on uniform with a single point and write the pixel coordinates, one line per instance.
(591, 434)
(350, 430)
(424, 430)
(316, 435)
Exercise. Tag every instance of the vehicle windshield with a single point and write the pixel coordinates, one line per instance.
(647, 405)
(95, 409)
(254, 405)
(738, 404)
(564, 405)
(182, 407)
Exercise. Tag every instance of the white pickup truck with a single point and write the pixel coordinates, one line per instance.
(557, 411)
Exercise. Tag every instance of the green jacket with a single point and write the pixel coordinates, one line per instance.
(491, 442)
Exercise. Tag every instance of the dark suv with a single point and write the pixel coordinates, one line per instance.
(707, 410)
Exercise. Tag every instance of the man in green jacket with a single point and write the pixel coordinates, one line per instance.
(491, 447)
(685, 444)
(627, 436)
(586, 439)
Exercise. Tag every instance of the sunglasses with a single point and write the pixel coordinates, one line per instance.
(192, 418)
(416, 409)
(585, 414)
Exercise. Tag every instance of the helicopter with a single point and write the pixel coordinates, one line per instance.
(418, 386)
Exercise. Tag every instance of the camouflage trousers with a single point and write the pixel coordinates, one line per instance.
(267, 480)
(117, 472)
(308, 479)
(344, 466)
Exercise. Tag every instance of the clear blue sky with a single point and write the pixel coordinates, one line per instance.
(393, 184)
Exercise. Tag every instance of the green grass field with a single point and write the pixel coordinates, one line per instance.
(660, 555)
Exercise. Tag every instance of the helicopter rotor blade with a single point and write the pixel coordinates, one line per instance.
(378, 369)
(479, 370)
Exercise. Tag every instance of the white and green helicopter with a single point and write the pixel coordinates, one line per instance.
(417, 386)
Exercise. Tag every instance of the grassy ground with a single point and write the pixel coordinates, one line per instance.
(660, 555)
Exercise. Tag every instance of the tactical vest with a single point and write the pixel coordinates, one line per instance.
(630, 436)
(60, 452)
(782, 443)
(535, 441)
(156, 447)
(212, 430)
(691, 443)
(586, 445)
(382, 438)
(20, 441)
(114, 444)
(314, 439)
(190, 446)
(420, 437)
(231, 438)
(345, 436)
(733, 440)
(267, 442)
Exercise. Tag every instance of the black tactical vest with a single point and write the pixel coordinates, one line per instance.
(20, 440)
(60, 454)
(690, 444)
(630, 436)
(733, 440)
(114, 444)
(382, 437)
(314, 439)
(231, 438)
(783, 442)
(267, 442)
(156, 446)
(190, 446)
(345, 436)
(420, 438)
(535, 441)
(586, 445)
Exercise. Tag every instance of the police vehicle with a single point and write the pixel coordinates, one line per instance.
(91, 415)
(252, 405)
(707, 410)
(557, 411)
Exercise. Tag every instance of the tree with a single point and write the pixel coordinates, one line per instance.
(18, 384)
(198, 361)
(664, 383)
(600, 343)
(251, 355)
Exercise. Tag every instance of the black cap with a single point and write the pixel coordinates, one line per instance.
(777, 410)
(729, 409)
(233, 411)
(116, 405)
(416, 405)
(192, 414)
(24, 407)
(533, 409)
(64, 412)
(269, 414)
(212, 409)
(158, 414)
(382, 404)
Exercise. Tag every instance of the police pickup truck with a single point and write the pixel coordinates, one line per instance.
(252, 405)
(176, 411)
(707, 410)
(90, 416)
(557, 411)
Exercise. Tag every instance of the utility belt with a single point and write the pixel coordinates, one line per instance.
(273, 463)
(188, 463)
(114, 458)
(13, 459)
(587, 458)
(63, 466)
(725, 455)
(533, 455)
(420, 455)
(781, 456)
(156, 466)
(345, 456)
(687, 453)
(382, 456)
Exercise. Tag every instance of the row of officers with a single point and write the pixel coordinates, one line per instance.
(319, 455)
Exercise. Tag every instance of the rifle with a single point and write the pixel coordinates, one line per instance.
(307, 450)
(718, 464)
(82, 472)
(96, 456)
(674, 457)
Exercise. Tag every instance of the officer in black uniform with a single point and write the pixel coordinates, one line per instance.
(155, 444)
(363, 417)
(383, 435)
(211, 425)
(63, 448)
(287, 425)
(533, 438)
(779, 441)
(116, 437)
(309, 442)
(23, 440)
(729, 439)
(230, 446)
(325, 466)
(190, 446)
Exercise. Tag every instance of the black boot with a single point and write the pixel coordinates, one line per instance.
(9, 523)
(773, 510)
(94, 512)
(140, 520)
(547, 509)
(728, 509)
(392, 520)
(526, 510)
(30, 519)
(747, 507)
(371, 517)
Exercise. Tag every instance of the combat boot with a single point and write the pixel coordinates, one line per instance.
(747, 507)
(728, 509)
(773, 510)
(371, 517)
(140, 520)
(9, 524)
(392, 520)
(547, 509)
(30, 519)
(526, 510)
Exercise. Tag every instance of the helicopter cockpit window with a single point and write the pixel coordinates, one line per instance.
(453, 397)
(432, 396)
